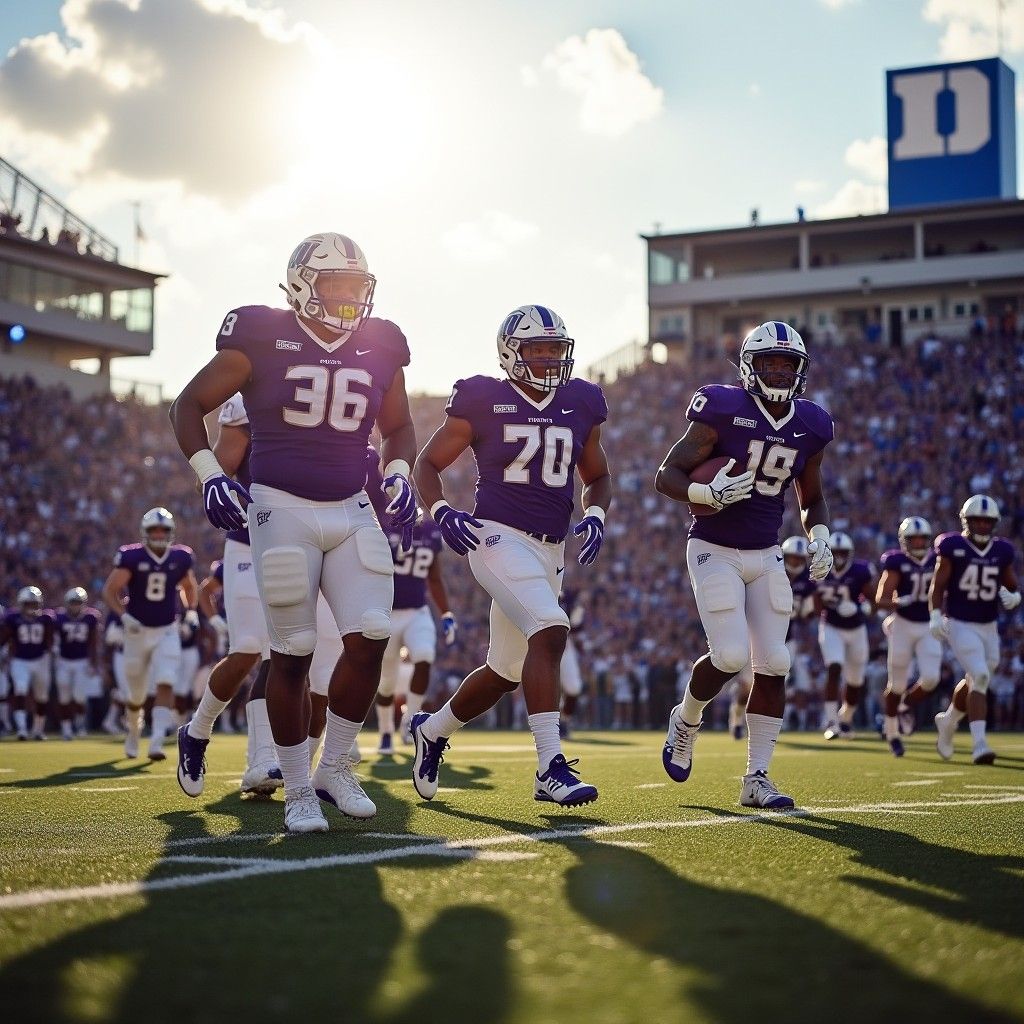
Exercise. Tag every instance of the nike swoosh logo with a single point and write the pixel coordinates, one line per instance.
(363, 504)
(558, 572)
(778, 558)
(565, 412)
(361, 351)
(800, 435)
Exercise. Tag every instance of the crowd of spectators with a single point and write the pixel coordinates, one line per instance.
(919, 428)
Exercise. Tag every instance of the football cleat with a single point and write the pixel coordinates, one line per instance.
(983, 754)
(759, 791)
(191, 762)
(737, 732)
(24, 736)
(385, 746)
(677, 754)
(560, 784)
(907, 721)
(429, 755)
(131, 746)
(262, 779)
(38, 737)
(302, 812)
(336, 783)
(896, 746)
(156, 754)
(831, 731)
(946, 732)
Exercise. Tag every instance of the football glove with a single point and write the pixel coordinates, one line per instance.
(222, 499)
(1009, 598)
(936, 625)
(723, 489)
(449, 627)
(590, 530)
(821, 559)
(455, 529)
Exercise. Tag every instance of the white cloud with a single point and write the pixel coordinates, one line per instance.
(807, 186)
(605, 74)
(835, 5)
(970, 27)
(869, 157)
(754, 89)
(854, 197)
(488, 238)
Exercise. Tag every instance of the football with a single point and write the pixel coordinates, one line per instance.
(704, 474)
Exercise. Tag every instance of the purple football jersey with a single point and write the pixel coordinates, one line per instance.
(526, 451)
(776, 450)
(851, 584)
(972, 594)
(412, 569)
(232, 414)
(75, 635)
(311, 405)
(803, 587)
(30, 636)
(915, 579)
(153, 584)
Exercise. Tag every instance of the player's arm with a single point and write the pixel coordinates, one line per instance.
(867, 596)
(592, 467)
(888, 584)
(227, 372)
(1009, 588)
(940, 581)
(229, 448)
(188, 588)
(693, 448)
(435, 584)
(398, 435)
(112, 589)
(814, 514)
(208, 590)
(446, 444)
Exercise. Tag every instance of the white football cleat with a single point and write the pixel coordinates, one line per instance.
(355, 755)
(759, 791)
(560, 784)
(336, 783)
(983, 753)
(131, 746)
(946, 731)
(302, 812)
(677, 753)
(262, 779)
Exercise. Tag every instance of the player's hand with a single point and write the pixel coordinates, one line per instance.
(191, 618)
(905, 600)
(865, 606)
(1009, 598)
(590, 530)
(449, 627)
(131, 624)
(936, 624)
(114, 634)
(821, 559)
(727, 490)
(222, 499)
(455, 529)
(846, 609)
(402, 506)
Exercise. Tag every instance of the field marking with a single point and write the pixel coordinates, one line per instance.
(185, 858)
(102, 789)
(1009, 788)
(230, 837)
(919, 782)
(937, 775)
(460, 849)
(651, 785)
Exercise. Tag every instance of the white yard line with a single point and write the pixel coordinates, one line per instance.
(918, 782)
(102, 789)
(458, 849)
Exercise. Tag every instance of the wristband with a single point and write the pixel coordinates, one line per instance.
(205, 464)
(399, 466)
(819, 532)
(699, 494)
(437, 505)
(596, 511)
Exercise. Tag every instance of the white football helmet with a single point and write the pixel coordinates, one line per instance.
(328, 281)
(794, 551)
(775, 338)
(74, 599)
(841, 545)
(30, 601)
(911, 527)
(154, 518)
(980, 507)
(535, 323)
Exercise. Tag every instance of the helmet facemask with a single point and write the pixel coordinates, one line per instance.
(545, 372)
(776, 384)
(158, 545)
(979, 536)
(339, 299)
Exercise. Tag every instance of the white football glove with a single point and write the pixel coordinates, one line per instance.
(905, 600)
(865, 606)
(846, 609)
(936, 625)
(191, 618)
(821, 558)
(218, 624)
(1009, 598)
(724, 489)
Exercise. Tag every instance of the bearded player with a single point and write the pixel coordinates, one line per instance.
(529, 430)
(315, 378)
(733, 556)
(974, 576)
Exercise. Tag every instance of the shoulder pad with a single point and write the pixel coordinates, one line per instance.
(946, 542)
(816, 419)
(468, 395)
(892, 559)
(714, 401)
(388, 336)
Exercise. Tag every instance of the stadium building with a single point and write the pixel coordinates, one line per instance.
(947, 255)
(67, 303)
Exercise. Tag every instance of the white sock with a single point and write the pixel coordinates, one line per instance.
(40, 725)
(413, 704)
(762, 732)
(65, 727)
(954, 714)
(386, 718)
(21, 721)
(314, 745)
(846, 713)
(133, 722)
(830, 709)
(735, 716)
(978, 732)
(692, 710)
(441, 723)
(338, 738)
(161, 724)
(892, 727)
(260, 735)
(544, 726)
(294, 762)
(205, 716)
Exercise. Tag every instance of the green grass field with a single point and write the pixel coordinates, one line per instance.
(898, 889)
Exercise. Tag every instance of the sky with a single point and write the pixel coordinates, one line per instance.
(482, 154)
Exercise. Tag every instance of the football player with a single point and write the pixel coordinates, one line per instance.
(77, 630)
(190, 631)
(795, 558)
(903, 591)
(28, 630)
(772, 438)
(154, 573)
(569, 670)
(529, 431)
(113, 643)
(412, 626)
(974, 576)
(315, 377)
(843, 598)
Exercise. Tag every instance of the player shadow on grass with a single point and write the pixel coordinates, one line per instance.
(312, 944)
(751, 957)
(973, 886)
(94, 771)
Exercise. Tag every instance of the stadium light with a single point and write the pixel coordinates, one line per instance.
(16, 333)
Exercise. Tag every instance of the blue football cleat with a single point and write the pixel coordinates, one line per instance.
(896, 746)
(191, 762)
(561, 785)
(677, 754)
(429, 755)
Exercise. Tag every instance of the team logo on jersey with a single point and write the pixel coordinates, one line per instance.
(289, 346)
(143, 566)
(742, 421)
(506, 408)
(244, 566)
(262, 515)
(701, 559)
(491, 541)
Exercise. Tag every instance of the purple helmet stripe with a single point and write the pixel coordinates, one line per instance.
(545, 316)
(348, 247)
(780, 331)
